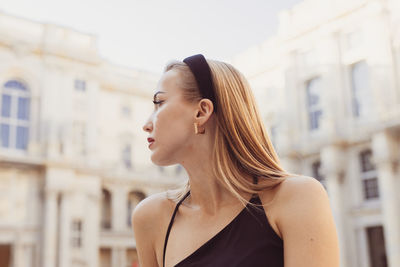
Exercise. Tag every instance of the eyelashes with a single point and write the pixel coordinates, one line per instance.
(157, 102)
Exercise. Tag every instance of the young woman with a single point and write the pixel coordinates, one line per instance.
(239, 207)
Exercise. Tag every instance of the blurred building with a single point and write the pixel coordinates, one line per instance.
(328, 84)
(73, 156)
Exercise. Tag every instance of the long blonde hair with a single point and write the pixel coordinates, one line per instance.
(242, 145)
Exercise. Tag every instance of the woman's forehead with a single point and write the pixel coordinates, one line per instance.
(169, 82)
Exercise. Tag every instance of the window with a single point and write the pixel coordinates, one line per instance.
(80, 85)
(133, 199)
(316, 172)
(376, 244)
(5, 254)
(314, 106)
(76, 234)
(368, 175)
(106, 210)
(361, 98)
(105, 257)
(127, 156)
(15, 113)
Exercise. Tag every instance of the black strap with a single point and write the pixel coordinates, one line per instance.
(170, 224)
(255, 180)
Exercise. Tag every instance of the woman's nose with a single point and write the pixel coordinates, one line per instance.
(148, 127)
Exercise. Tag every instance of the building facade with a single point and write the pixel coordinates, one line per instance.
(328, 84)
(73, 155)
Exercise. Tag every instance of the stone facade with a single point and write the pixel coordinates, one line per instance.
(328, 84)
(73, 156)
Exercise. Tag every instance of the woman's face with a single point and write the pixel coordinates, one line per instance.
(171, 123)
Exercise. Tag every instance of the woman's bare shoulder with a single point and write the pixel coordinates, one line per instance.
(301, 201)
(149, 222)
(299, 187)
(290, 188)
(152, 209)
(289, 195)
(306, 224)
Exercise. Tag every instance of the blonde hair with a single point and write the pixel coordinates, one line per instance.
(241, 143)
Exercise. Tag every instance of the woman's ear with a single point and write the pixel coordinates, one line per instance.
(204, 110)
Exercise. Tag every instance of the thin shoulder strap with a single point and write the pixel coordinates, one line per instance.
(255, 180)
(170, 224)
(255, 196)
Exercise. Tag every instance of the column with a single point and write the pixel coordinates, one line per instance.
(385, 149)
(92, 230)
(23, 255)
(50, 230)
(123, 257)
(118, 209)
(332, 167)
(114, 257)
(118, 257)
(65, 228)
(18, 255)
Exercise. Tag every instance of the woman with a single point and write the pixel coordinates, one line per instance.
(206, 119)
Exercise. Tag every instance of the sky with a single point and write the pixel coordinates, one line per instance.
(146, 34)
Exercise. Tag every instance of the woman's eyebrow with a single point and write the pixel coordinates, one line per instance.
(157, 93)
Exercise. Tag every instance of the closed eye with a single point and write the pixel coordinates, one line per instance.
(157, 102)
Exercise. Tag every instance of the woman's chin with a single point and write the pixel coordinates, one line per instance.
(161, 162)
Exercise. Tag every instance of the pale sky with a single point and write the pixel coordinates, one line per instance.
(146, 34)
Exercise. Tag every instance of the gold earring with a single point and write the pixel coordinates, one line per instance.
(196, 129)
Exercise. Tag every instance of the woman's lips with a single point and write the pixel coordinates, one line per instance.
(151, 141)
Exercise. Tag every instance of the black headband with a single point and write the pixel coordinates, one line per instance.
(201, 71)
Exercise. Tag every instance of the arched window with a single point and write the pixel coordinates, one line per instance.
(127, 156)
(369, 175)
(314, 104)
(106, 209)
(316, 172)
(133, 199)
(14, 117)
(362, 99)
